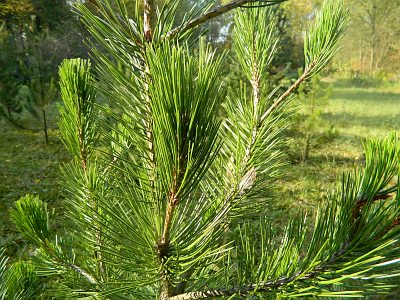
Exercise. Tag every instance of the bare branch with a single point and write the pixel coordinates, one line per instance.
(288, 92)
(217, 12)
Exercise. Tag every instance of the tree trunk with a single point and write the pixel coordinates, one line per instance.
(361, 56)
(306, 149)
(373, 43)
(42, 94)
(45, 126)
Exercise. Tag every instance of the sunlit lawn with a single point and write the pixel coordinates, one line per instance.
(27, 165)
(352, 114)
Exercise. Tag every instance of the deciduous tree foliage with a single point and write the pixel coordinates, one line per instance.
(15, 9)
(166, 170)
(372, 44)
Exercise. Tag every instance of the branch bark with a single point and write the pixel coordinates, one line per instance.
(163, 244)
(147, 19)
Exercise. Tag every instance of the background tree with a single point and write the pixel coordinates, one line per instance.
(156, 188)
(34, 42)
(298, 15)
(313, 97)
(373, 42)
(12, 10)
(9, 77)
(42, 56)
(12, 15)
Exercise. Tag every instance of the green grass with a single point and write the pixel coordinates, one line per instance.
(27, 166)
(350, 116)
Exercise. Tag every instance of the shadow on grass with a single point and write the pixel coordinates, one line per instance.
(366, 96)
(387, 122)
(318, 159)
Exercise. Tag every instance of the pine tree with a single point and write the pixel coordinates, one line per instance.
(41, 83)
(9, 78)
(313, 97)
(168, 170)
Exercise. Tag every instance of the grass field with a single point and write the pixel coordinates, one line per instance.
(28, 165)
(350, 116)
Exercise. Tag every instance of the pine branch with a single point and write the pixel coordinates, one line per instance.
(316, 273)
(185, 135)
(83, 273)
(79, 128)
(255, 41)
(321, 43)
(217, 12)
(111, 17)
